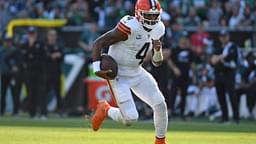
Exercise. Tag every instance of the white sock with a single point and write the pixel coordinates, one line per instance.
(160, 119)
(115, 114)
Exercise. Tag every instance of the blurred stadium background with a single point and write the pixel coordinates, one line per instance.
(77, 24)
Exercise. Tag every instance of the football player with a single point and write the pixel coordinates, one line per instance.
(129, 42)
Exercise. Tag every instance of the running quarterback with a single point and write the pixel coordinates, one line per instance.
(129, 42)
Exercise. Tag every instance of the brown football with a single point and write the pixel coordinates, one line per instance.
(107, 62)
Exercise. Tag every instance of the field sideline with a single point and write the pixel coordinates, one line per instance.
(77, 131)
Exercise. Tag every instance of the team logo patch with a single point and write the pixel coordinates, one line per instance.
(138, 36)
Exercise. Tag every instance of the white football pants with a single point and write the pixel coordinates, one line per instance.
(144, 87)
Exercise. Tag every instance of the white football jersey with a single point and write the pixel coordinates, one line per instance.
(130, 53)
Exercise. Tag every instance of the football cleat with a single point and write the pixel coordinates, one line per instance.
(160, 141)
(100, 115)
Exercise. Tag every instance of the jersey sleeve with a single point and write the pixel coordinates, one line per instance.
(124, 25)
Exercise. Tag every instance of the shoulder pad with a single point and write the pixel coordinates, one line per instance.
(128, 24)
(158, 31)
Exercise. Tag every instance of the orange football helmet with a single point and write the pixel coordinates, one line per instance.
(148, 12)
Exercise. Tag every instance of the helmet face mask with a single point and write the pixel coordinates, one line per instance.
(150, 18)
(147, 15)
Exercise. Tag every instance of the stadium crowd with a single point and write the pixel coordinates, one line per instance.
(198, 96)
(232, 13)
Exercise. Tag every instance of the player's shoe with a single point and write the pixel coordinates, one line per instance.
(100, 115)
(160, 141)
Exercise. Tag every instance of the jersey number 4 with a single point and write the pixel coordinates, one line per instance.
(142, 52)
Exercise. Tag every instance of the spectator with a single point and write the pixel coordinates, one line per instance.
(199, 3)
(181, 62)
(38, 11)
(78, 12)
(176, 24)
(177, 33)
(176, 14)
(10, 62)
(166, 18)
(49, 11)
(94, 6)
(87, 38)
(251, 78)
(225, 63)
(192, 19)
(223, 22)
(242, 86)
(53, 67)
(5, 16)
(207, 100)
(236, 18)
(248, 17)
(192, 100)
(101, 18)
(35, 58)
(227, 10)
(199, 40)
(214, 14)
(112, 13)
(128, 8)
(201, 7)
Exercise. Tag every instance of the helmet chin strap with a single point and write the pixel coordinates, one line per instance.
(148, 26)
(145, 23)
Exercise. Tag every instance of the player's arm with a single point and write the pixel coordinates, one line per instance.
(111, 37)
(157, 57)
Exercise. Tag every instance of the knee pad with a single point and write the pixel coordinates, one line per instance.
(128, 111)
(130, 117)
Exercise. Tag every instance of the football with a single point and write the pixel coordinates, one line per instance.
(107, 62)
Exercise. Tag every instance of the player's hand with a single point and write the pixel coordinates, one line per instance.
(214, 59)
(157, 44)
(104, 74)
(176, 71)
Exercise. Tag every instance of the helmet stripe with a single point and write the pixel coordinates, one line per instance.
(154, 4)
(151, 4)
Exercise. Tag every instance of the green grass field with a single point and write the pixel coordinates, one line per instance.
(77, 131)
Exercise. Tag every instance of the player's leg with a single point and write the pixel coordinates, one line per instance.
(126, 113)
(148, 91)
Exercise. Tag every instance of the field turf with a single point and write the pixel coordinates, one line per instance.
(77, 131)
